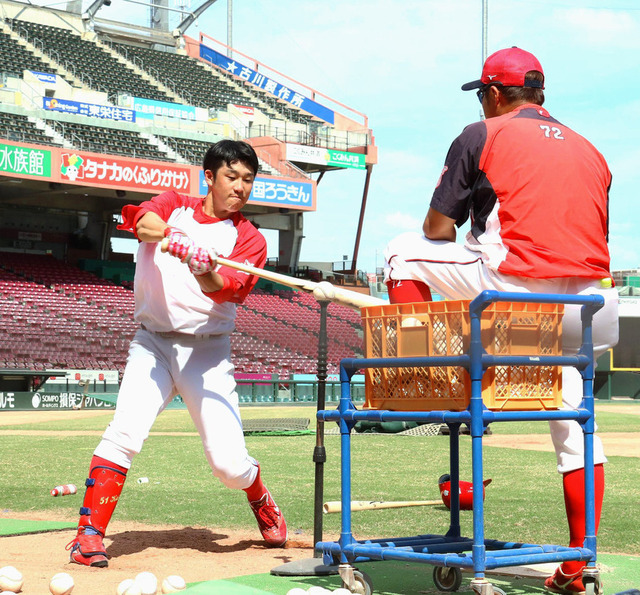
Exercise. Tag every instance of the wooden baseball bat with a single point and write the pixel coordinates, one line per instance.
(336, 506)
(343, 296)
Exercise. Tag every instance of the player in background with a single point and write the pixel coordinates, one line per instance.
(186, 314)
(537, 194)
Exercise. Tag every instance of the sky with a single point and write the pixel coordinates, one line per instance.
(402, 64)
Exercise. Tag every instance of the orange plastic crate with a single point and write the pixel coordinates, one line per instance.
(443, 328)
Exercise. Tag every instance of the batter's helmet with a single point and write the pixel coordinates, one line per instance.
(465, 491)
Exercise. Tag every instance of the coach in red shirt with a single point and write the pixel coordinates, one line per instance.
(537, 194)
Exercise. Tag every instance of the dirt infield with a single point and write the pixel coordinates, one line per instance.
(195, 553)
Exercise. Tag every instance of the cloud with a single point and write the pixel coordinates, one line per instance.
(599, 27)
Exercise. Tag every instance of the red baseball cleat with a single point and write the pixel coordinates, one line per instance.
(565, 584)
(270, 520)
(88, 550)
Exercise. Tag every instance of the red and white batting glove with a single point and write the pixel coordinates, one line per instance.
(179, 245)
(203, 261)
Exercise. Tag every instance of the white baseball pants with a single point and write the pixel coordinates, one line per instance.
(455, 272)
(200, 370)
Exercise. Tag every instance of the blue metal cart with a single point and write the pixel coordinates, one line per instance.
(450, 553)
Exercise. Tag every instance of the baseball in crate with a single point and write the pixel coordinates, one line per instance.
(185, 304)
(537, 196)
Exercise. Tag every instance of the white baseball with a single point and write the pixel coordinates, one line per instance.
(318, 591)
(173, 584)
(324, 291)
(296, 591)
(61, 584)
(342, 591)
(147, 582)
(11, 579)
(408, 321)
(129, 587)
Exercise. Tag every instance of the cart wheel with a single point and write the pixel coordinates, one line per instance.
(363, 584)
(498, 591)
(447, 579)
(592, 586)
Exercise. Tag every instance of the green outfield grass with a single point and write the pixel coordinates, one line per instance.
(524, 502)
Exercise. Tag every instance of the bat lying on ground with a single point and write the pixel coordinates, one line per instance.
(330, 507)
(323, 291)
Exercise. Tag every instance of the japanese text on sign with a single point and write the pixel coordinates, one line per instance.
(22, 160)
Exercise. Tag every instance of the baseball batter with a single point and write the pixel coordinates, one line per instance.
(537, 194)
(185, 304)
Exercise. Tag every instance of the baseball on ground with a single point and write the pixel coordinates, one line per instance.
(296, 591)
(342, 591)
(173, 584)
(61, 584)
(324, 291)
(147, 582)
(318, 591)
(128, 587)
(11, 579)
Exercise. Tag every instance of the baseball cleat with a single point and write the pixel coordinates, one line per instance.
(270, 520)
(565, 584)
(88, 550)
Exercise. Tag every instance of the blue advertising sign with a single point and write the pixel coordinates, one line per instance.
(273, 191)
(266, 84)
(148, 108)
(44, 77)
(107, 112)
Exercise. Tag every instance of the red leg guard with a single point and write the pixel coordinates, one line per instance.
(104, 486)
(407, 291)
(573, 484)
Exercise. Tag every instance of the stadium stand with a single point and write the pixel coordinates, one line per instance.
(88, 62)
(115, 141)
(206, 86)
(55, 315)
(14, 58)
(19, 128)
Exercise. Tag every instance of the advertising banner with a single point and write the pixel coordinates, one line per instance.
(118, 172)
(107, 112)
(41, 400)
(282, 192)
(44, 77)
(25, 160)
(266, 84)
(148, 108)
(320, 156)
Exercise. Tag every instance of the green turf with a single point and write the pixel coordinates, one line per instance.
(524, 502)
(618, 573)
(20, 527)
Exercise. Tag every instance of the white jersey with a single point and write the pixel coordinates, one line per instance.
(167, 295)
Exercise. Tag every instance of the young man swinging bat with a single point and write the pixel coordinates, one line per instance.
(186, 312)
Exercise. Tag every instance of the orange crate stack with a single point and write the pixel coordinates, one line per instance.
(443, 328)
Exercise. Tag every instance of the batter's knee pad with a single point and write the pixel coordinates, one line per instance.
(104, 486)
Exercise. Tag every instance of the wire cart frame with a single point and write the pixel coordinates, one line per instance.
(450, 553)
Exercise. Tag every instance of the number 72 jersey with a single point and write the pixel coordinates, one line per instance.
(537, 194)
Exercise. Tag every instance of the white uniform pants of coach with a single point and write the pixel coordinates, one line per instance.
(455, 272)
(200, 371)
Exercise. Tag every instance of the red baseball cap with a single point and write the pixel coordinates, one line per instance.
(508, 67)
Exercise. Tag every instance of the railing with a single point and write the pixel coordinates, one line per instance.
(310, 137)
(291, 391)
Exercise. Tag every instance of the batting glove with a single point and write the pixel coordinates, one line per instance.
(180, 245)
(203, 261)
